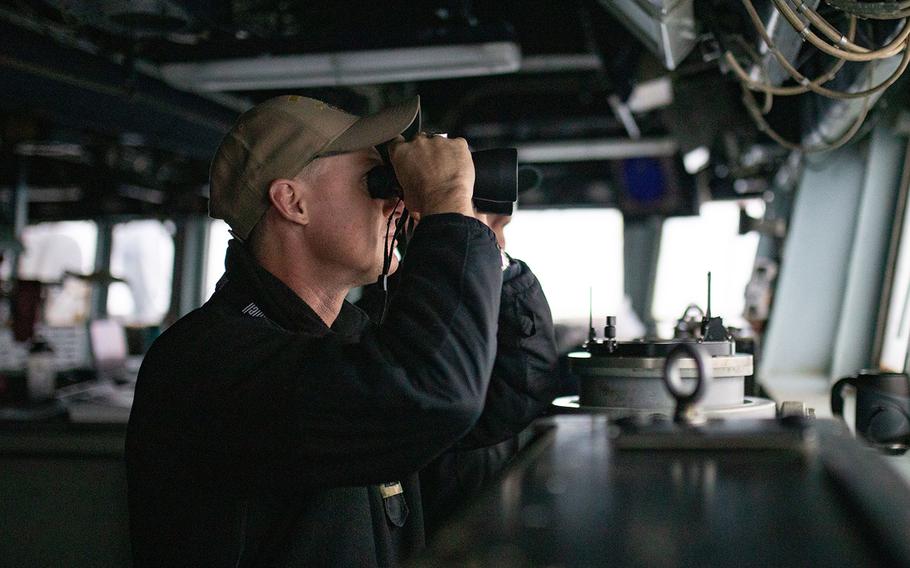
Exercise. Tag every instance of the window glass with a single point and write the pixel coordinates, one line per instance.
(572, 252)
(142, 254)
(550, 241)
(690, 247)
(214, 256)
(51, 250)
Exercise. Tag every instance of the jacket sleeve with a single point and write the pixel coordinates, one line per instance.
(330, 411)
(522, 386)
(524, 380)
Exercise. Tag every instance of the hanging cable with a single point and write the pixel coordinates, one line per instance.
(769, 89)
(763, 125)
(756, 60)
(806, 32)
(815, 85)
(803, 80)
(388, 249)
(836, 36)
(844, 49)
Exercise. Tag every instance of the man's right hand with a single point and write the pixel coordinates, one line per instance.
(436, 174)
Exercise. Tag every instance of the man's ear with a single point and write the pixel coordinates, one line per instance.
(287, 196)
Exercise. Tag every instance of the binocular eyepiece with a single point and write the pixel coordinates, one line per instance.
(495, 180)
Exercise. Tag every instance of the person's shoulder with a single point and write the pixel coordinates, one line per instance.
(194, 341)
(518, 277)
(176, 337)
(213, 318)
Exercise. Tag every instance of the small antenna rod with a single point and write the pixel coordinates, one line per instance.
(707, 317)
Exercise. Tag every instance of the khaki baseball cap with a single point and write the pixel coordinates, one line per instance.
(278, 138)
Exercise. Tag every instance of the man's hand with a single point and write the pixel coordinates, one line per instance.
(436, 174)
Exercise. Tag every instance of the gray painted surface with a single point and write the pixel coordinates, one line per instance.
(193, 272)
(102, 264)
(862, 302)
(641, 249)
(816, 257)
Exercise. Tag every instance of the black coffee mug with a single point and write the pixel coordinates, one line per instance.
(882, 408)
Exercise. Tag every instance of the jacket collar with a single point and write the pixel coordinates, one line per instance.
(245, 277)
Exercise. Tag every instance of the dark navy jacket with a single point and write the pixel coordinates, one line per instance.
(260, 437)
(523, 384)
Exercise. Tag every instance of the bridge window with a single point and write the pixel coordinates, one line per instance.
(51, 252)
(572, 251)
(690, 247)
(142, 254)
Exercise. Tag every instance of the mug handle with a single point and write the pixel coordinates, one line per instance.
(837, 396)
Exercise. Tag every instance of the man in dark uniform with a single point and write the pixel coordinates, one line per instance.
(278, 426)
(523, 385)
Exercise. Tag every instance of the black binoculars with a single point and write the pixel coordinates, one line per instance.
(495, 180)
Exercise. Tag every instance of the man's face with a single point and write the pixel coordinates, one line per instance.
(347, 228)
(497, 223)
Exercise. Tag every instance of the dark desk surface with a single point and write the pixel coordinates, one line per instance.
(62, 439)
(571, 499)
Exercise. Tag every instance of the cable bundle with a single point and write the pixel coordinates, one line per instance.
(843, 49)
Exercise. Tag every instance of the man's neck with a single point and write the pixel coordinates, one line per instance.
(322, 295)
(326, 303)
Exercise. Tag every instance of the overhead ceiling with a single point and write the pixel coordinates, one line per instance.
(140, 87)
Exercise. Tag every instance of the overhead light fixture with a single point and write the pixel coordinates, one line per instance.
(145, 194)
(346, 68)
(46, 194)
(51, 150)
(594, 150)
(697, 159)
(650, 95)
(560, 62)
